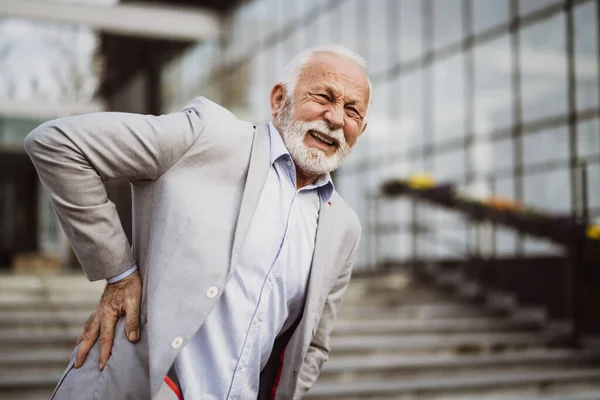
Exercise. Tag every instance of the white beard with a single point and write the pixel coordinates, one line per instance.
(310, 160)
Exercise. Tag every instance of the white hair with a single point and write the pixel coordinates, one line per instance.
(292, 70)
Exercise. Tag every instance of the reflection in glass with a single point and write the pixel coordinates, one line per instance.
(492, 86)
(447, 22)
(547, 145)
(411, 110)
(593, 174)
(411, 29)
(528, 6)
(489, 156)
(535, 246)
(588, 138)
(549, 190)
(449, 165)
(346, 17)
(586, 55)
(490, 13)
(377, 51)
(543, 66)
(250, 23)
(449, 99)
(506, 242)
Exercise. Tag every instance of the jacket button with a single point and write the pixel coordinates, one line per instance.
(212, 292)
(177, 342)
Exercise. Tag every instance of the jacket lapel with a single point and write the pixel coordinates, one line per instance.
(321, 257)
(255, 182)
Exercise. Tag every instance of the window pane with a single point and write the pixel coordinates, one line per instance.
(544, 146)
(506, 241)
(505, 187)
(544, 69)
(586, 55)
(549, 191)
(259, 89)
(347, 15)
(378, 49)
(535, 246)
(411, 110)
(527, 6)
(489, 13)
(375, 141)
(411, 29)
(450, 165)
(449, 101)
(313, 34)
(588, 138)
(593, 189)
(324, 22)
(248, 26)
(493, 86)
(447, 22)
(488, 156)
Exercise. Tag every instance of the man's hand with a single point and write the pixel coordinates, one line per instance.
(122, 297)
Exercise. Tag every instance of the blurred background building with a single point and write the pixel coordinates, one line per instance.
(499, 97)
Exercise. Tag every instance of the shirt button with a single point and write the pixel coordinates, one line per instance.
(289, 163)
(177, 342)
(212, 292)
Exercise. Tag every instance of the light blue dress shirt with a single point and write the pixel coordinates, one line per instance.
(266, 293)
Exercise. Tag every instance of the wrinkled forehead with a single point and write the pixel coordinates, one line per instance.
(343, 74)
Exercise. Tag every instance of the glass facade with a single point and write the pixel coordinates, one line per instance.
(499, 96)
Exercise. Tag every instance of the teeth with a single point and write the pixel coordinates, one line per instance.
(321, 137)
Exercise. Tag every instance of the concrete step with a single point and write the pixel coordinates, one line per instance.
(460, 387)
(49, 284)
(586, 395)
(28, 389)
(393, 367)
(419, 311)
(13, 302)
(18, 340)
(34, 363)
(472, 343)
(449, 325)
(43, 318)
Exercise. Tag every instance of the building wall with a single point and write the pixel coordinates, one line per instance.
(499, 96)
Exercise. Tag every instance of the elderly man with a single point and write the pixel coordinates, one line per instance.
(242, 249)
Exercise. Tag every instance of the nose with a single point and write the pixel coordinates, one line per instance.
(335, 117)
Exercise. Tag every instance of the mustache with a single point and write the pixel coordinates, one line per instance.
(321, 126)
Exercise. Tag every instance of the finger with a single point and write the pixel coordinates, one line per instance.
(132, 318)
(88, 338)
(107, 335)
(86, 327)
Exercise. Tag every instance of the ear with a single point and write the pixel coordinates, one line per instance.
(278, 94)
(363, 128)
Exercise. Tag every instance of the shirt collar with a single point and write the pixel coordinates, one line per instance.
(324, 184)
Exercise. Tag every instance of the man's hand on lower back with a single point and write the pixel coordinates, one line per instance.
(119, 298)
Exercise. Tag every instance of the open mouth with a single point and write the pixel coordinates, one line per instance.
(323, 138)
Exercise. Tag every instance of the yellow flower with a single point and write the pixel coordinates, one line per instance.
(593, 231)
(421, 181)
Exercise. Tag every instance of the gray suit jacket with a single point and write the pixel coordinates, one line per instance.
(196, 179)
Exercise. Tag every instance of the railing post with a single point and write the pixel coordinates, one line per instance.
(414, 230)
(576, 256)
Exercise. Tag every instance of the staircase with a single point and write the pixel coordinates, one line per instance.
(40, 320)
(397, 338)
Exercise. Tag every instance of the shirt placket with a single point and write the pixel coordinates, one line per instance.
(239, 377)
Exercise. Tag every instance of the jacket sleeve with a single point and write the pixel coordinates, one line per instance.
(74, 156)
(318, 350)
